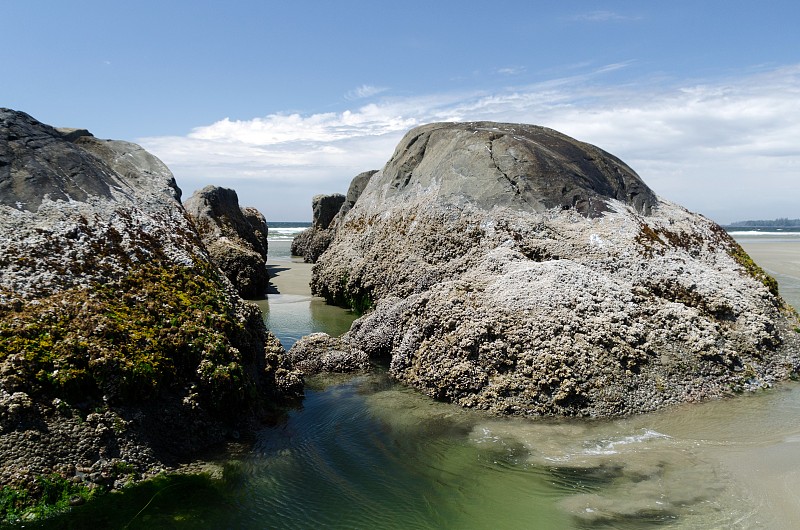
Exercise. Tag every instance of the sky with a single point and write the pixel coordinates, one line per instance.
(284, 100)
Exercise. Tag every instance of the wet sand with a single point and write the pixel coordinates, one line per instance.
(779, 256)
(290, 309)
(288, 275)
(289, 278)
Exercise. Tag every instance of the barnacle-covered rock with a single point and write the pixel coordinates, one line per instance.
(123, 348)
(512, 268)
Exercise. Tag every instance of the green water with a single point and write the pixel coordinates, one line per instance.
(365, 453)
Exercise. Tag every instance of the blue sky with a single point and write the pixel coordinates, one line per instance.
(283, 100)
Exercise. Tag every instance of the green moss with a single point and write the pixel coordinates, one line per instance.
(742, 258)
(131, 340)
(49, 495)
(360, 301)
(165, 501)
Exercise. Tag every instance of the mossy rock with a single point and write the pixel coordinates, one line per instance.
(144, 336)
(742, 258)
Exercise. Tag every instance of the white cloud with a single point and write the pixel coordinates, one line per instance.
(364, 91)
(727, 148)
(511, 70)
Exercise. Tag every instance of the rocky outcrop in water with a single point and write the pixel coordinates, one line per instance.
(236, 238)
(511, 268)
(123, 349)
(328, 210)
(319, 352)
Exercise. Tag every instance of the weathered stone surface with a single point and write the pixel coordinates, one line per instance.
(312, 242)
(235, 237)
(319, 352)
(325, 208)
(355, 190)
(120, 342)
(511, 268)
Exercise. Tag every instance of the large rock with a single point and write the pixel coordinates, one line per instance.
(512, 268)
(312, 242)
(328, 211)
(235, 237)
(354, 191)
(123, 349)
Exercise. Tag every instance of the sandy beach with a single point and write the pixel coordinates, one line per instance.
(780, 257)
(287, 275)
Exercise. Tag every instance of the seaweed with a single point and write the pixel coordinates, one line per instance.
(741, 257)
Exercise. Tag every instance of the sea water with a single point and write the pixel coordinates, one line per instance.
(362, 452)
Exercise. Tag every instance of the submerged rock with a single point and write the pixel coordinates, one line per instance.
(123, 349)
(328, 210)
(511, 268)
(235, 237)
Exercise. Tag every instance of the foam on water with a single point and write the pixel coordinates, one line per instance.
(285, 231)
(616, 445)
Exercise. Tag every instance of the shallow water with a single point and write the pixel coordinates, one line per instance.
(365, 453)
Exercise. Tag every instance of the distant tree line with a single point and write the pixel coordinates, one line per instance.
(782, 222)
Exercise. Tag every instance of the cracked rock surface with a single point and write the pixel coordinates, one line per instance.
(511, 268)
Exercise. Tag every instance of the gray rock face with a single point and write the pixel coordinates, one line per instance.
(513, 269)
(325, 208)
(312, 242)
(235, 237)
(518, 166)
(355, 190)
(119, 340)
(75, 210)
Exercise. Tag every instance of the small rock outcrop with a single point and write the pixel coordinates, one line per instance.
(235, 237)
(328, 210)
(123, 349)
(319, 352)
(512, 268)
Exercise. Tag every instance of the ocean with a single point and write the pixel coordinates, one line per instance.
(285, 230)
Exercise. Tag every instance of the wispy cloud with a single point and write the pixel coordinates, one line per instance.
(605, 16)
(717, 147)
(364, 91)
(511, 70)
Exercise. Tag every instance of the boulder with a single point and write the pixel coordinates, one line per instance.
(123, 349)
(235, 237)
(354, 191)
(325, 208)
(511, 268)
(319, 352)
(312, 242)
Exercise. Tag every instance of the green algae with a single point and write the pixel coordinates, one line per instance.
(129, 341)
(49, 496)
(349, 295)
(165, 501)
